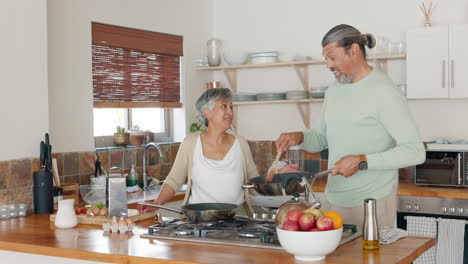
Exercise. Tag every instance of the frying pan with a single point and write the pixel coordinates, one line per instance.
(202, 212)
(291, 182)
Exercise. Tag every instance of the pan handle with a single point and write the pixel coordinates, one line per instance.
(248, 186)
(163, 207)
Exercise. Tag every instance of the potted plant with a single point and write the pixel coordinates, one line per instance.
(136, 136)
(121, 138)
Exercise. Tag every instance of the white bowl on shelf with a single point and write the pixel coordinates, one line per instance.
(264, 59)
(235, 57)
(309, 246)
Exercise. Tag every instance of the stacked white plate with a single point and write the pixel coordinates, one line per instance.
(264, 57)
(270, 96)
(243, 97)
(297, 94)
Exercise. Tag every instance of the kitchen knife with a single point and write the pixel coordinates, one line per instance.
(42, 154)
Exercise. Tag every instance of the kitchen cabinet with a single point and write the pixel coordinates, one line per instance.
(302, 72)
(437, 61)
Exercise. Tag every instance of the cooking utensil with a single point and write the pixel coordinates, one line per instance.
(272, 171)
(202, 211)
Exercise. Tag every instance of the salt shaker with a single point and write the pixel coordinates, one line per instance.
(370, 228)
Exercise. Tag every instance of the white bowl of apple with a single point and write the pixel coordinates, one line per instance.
(310, 235)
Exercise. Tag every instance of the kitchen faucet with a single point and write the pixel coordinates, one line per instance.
(161, 155)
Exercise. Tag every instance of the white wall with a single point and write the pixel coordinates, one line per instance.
(70, 73)
(297, 27)
(23, 75)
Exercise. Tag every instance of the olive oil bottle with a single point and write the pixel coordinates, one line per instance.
(370, 229)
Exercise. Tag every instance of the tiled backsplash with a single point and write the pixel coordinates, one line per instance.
(75, 167)
(16, 178)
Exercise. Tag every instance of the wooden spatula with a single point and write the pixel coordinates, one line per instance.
(272, 171)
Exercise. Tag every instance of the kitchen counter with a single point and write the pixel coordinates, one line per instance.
(37, 235)
(411, 189)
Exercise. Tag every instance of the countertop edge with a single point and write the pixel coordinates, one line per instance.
(83, 254)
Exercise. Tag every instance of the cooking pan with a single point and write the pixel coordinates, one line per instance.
(202, 212)
(290, 182)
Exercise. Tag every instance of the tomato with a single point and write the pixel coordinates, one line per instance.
(77, 211)
(84, 210)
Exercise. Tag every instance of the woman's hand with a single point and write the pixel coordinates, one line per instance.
(286, 140)
(289, 168)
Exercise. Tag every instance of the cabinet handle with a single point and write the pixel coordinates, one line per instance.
(452, 73)
(459, 167)
(443, 74)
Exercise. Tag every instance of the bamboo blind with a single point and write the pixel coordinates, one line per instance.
(135, 68)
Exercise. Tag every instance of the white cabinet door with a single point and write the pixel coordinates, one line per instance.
(427, 62)
(458, 65)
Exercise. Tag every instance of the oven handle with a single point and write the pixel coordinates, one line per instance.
(459, 168)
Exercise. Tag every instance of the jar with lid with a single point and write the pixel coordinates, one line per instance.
(296, 156)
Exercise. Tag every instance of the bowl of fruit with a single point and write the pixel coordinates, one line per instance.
(310, 234)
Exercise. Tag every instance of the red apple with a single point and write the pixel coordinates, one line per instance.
(290, 225)
(293, 215)
(324, 223)
(313, 230)
(306, 221)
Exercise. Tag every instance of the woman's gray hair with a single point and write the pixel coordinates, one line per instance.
(346, 35)
(207, 99)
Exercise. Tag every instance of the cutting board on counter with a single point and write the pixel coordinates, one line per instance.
(99, 220)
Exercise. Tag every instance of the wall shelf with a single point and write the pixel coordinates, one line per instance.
(301, 69)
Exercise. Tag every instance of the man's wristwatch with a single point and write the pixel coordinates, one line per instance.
(362, 162)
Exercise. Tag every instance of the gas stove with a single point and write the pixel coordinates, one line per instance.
(238, 231)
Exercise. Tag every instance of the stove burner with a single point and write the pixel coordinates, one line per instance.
(182, 233)
(247, 235)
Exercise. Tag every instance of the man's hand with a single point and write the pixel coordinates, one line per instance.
(346, 166)
(286, 140)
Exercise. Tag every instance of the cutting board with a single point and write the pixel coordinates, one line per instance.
(99, 220)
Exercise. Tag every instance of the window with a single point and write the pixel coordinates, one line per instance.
(136, 78)
(153, 119)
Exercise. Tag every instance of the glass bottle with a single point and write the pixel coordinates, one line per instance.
(296, 156)
(214, 52)
(132, 178)
(370, 229)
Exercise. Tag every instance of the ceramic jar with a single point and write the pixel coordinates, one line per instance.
(66, 217)
(214, 52)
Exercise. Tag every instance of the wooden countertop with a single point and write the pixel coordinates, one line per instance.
(411, 189)
(35, 234)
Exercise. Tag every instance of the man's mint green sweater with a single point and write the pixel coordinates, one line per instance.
(368, 117)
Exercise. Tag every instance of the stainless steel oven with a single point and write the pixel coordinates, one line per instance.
(443, 168)
(433, 207)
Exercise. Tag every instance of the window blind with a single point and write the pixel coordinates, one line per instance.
(135, 68)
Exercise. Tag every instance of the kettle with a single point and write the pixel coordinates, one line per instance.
(294, 203)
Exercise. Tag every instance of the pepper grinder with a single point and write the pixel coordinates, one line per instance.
(370, 229)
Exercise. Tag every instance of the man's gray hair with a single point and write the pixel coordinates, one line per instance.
(346, 35)
(207, 99)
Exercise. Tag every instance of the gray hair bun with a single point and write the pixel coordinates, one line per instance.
(369, 40)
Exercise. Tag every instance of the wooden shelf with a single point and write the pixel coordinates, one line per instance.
(302, 71)
(292, 63)
(296, 101)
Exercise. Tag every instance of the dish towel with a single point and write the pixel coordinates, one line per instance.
(389, 235)
(425, 227)
(450, 241)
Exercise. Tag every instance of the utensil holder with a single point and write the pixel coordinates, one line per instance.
(43, 192)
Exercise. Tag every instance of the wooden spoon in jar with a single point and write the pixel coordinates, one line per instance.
(272, 171)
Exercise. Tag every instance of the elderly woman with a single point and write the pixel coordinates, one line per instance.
(214, 163)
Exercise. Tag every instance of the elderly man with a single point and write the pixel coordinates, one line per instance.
(366, 125)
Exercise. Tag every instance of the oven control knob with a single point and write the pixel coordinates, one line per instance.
(416, 207)
(443, 209)
(460, 210)
(452, 210)
(409, 207)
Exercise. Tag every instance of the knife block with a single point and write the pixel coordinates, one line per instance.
(43, 192)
